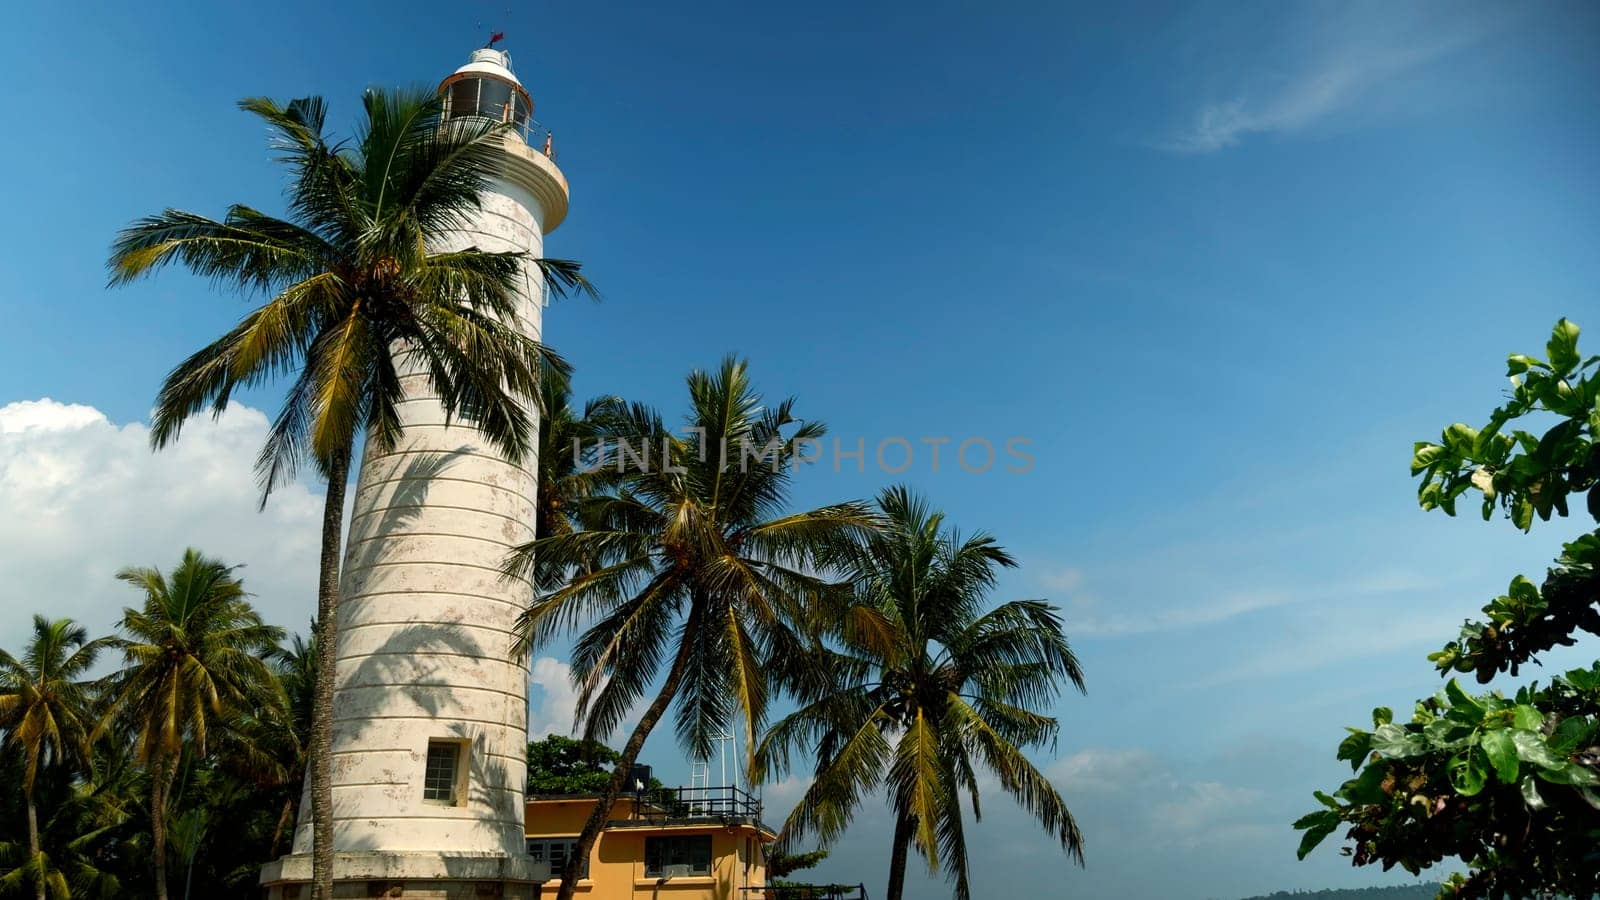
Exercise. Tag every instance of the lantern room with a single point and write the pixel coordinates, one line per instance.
(487, 88)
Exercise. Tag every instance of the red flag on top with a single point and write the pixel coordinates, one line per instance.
(496, 38)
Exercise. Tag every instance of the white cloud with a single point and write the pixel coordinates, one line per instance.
(1195, 808)
(1102, 769)
(551, 707)
(81, 497)
(1163, 803)
(47, 415)
(1353, 56)
(779, 797)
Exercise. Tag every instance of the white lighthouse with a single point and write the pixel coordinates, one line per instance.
(430, 710)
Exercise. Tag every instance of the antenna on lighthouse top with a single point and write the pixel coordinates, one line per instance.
(495, 35)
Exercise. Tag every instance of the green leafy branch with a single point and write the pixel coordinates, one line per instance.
(1526, 474)
(1470, 777)
(1511, 787)
(1527, 620)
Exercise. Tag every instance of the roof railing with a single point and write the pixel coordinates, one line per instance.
(721, 802)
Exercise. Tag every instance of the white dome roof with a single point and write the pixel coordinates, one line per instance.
(490, 62)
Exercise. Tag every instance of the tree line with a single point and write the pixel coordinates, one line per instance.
(195, 742)
(1396, 892)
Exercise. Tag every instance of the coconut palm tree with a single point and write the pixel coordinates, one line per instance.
(927, 686)
(87, 828)
(264, 749)
(45, 711)
(192, 664)
(356, 298)
(296, 668)
(688, 570)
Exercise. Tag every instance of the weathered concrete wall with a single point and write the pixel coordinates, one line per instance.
(425, 620)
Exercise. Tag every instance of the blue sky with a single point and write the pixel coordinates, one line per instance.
(1221, 264)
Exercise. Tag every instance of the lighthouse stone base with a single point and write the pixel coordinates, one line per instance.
(415, 876)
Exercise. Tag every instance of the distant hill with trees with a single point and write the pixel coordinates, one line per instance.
(1403, 892)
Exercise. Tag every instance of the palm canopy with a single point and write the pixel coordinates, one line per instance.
(689, 558)
(266, 744)
(85, 832)
(925, 685)
(357, 297)
(568, 467)
(193, 658)
(45, 701)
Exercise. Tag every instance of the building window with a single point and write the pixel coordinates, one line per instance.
(677, 855)
(558, 852)
(441, 777)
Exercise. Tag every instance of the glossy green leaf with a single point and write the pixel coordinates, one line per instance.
(1468, 773)
(1562, 348)
(1532, 749)
(1572, 733)
(1460, 438)
(1502, 753)
(1522, 514)
(1530, 795)
(1518, 363)
(1463, 706)
(1394, 741)
(1527, 718)
(1317, 827)
(1570, 773)
(1356, 748)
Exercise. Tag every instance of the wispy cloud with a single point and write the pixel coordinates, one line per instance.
(1352, 62)
(1084, 616)
(1062, 580)
(1174, 807)
(1337, 641)
(1087, 615)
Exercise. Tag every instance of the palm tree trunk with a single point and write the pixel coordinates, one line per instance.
(321, 746)
(285, 822)
(630, 753)
(33, 845)
(158, 825)
(897, 858)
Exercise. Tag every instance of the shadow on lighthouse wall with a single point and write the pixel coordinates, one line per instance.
(417, 595)
(401, 509)
(412, 644)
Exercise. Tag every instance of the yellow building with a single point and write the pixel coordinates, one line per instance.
(672, 844)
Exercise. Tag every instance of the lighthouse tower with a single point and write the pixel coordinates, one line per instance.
(430, 709)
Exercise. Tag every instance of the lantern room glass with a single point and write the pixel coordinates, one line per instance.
(489, 98)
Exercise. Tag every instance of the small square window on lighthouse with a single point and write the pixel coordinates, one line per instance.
(444, 776)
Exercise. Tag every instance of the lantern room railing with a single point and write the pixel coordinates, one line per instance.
(467, 99)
